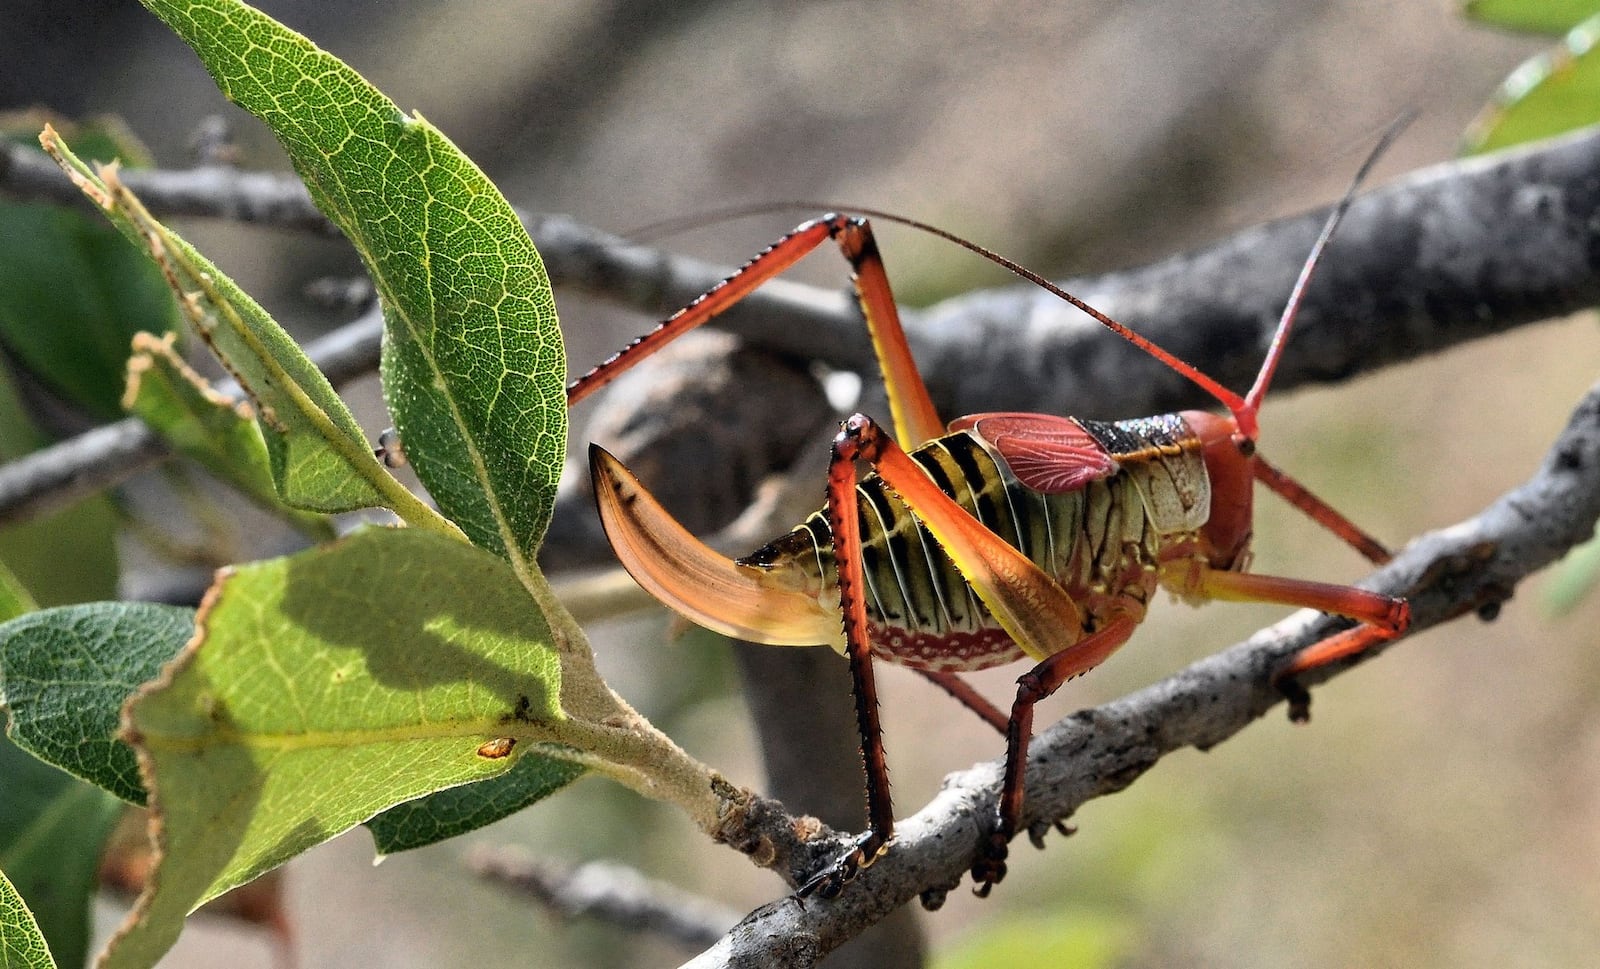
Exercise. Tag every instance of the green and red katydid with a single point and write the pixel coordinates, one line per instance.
(991, 539)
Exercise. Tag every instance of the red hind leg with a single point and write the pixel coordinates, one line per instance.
(1033, 686)
(1382, 619)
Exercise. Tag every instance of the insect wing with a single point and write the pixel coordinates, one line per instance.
(1051, 455)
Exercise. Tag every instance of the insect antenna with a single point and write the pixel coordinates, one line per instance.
(656, 230)
(1291, 309)
(1244, 409)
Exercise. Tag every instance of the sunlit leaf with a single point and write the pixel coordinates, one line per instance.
(473, 364)
(321, 460)
(199, 423)
(21, 945)
(326, 687)
(14, 597)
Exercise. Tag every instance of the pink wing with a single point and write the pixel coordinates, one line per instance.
(1048, 454)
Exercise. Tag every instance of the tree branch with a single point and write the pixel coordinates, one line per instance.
(608, 892)
(55, 476)
(1446, 574)
(1448, 254)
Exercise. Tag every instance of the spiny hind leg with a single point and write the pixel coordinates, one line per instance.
(1032, 687)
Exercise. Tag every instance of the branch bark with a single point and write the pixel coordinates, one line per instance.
(606, 891)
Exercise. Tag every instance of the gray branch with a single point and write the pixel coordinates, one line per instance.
(607, 892)
(1455, 571)
(1449, 254)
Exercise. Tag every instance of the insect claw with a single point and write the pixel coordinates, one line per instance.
(830, 881)
(1297, 697)
(1039, 829)
(990, 867)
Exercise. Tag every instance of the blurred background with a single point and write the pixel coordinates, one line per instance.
(1443, 809)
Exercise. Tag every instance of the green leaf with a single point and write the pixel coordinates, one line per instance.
(1534, 16)
(321, 461)
(220, 434)
(71, 291)
(1552, 93)
(14, 598)
(68, 556)
(448, 813)
(53, 830)
(473, 364)
(326, 687)
(21, 945)
(66, 672)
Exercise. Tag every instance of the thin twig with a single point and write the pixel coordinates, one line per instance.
(609, 892)
(1446, 574)
(53, 477)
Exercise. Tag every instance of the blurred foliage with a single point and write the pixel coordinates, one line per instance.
(66, 556)
(72, 292)
(1550, 94)
(1533, 16)
(1066, 938)
(52, 829)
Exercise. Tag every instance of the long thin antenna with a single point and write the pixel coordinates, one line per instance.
(1291, 309)
(1226, 397)
(1244, 409)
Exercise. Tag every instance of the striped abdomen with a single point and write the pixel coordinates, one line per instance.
(1103, 542)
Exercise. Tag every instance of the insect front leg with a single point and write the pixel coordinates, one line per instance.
(844, 520)
(915, 418)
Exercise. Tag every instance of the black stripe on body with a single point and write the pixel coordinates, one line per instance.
(1097, 541)
(1141, 438)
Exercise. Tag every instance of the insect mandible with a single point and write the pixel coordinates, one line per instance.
(995, 538)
